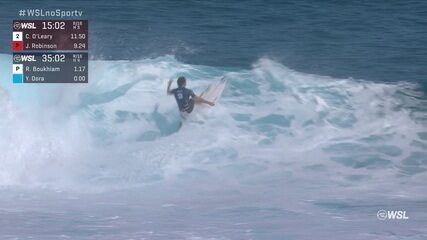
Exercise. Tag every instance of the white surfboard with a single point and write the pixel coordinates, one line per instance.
(214, 91)
(212, 94)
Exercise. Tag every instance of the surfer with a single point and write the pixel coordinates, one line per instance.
(185, 98)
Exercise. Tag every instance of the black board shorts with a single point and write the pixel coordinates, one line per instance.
(189, 108)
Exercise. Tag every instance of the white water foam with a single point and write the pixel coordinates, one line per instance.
(274, 127)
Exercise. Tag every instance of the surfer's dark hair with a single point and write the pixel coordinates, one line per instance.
(181, 81)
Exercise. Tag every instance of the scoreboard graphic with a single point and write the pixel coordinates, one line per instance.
(50, 51)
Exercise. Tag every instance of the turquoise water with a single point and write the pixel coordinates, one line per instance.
(283, 151)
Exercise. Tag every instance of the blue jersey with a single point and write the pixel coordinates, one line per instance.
(182, 97)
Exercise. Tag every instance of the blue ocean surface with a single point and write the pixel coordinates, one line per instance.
(322, 125)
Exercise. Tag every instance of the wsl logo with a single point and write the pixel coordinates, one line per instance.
(24, 58)
(24, 25)
(392, 215)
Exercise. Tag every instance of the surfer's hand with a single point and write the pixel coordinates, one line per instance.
(211, 103)
(170, 82)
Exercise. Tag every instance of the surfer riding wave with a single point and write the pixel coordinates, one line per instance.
(185, 98)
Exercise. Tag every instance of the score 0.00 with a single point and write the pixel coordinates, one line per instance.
(79, 78)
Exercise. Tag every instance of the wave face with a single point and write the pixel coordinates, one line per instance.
(274, 128)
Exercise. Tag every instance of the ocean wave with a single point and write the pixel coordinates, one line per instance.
(273, 127)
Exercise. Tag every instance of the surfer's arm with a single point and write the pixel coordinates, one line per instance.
(169, 91)
(198, 99)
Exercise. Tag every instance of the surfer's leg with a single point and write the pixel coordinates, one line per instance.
(197, 101)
